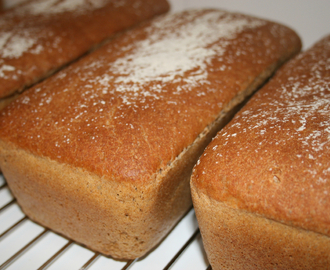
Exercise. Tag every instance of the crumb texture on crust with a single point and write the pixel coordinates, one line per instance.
(123, 220)
(274, 157)
(109, 142)
(40, 36)
(236, 239)
(132, 106)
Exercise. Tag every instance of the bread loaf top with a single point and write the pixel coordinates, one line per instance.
(130, 108)
(273, 159)
(39, 36)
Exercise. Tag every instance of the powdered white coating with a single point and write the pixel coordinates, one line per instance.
(166, 56)
(13, 46)
(47, 7)
(15, 41)
(25, 37)
(300, 113)
(4, 69)
(169, 58)
(180, 55)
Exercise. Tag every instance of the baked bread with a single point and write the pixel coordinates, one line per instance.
(109, 143)
(261, 188)
(7, 4)
(38, 37)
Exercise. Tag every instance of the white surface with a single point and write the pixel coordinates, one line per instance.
(193, 251)
(5, 196)
(74, 258)
(12, 243)
(34, 257)
(170, 246)
(310, 19)
(9, 217)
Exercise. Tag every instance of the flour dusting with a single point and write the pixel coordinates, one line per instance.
(43, 7)
(27, 35)
(23, 38)
(296, 113)
(4, 69)
(13, 46)
(186, 50)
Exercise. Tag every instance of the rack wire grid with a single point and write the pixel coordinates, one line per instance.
(27, 245)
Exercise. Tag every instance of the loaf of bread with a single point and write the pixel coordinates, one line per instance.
(7, 4)
(102, 152)
(38, 37)
(261, 188)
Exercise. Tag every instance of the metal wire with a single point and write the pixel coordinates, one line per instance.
(178, 254)
(23, 249)
(56, 255)
(63, 249)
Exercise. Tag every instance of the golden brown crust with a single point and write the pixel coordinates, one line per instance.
(236, 239)
(272, 160)
(124, 220)
(7, 100)
(39, 37)
(134, 116)
(101, 123)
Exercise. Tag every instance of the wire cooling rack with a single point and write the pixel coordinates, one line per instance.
(27, 245)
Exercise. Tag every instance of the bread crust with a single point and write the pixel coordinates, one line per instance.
(238, 239)
(140, 137)
(272, 163)
(40, 37)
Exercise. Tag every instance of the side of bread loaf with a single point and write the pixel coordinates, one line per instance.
(38, 37)
(108, 144)
(261, 188)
